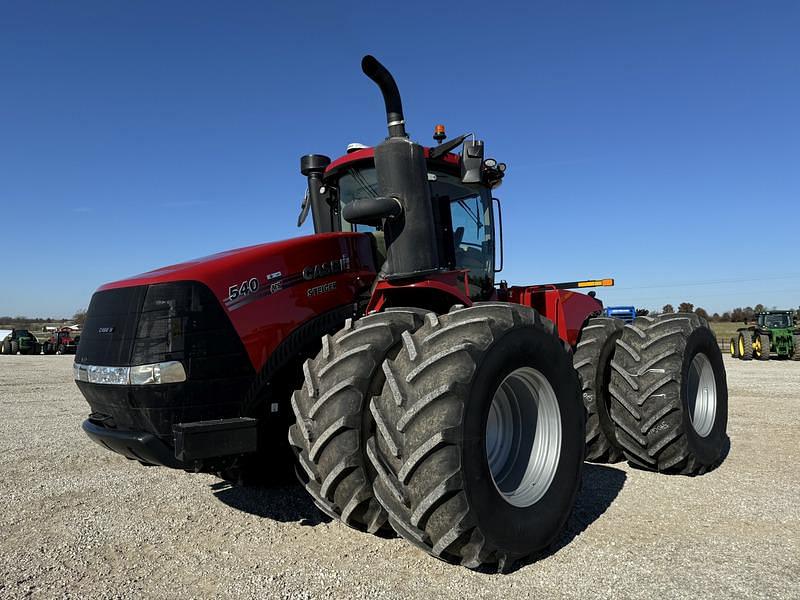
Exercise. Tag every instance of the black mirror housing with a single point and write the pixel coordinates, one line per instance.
(471, 161)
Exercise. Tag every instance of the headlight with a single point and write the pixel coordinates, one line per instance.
(163, 372)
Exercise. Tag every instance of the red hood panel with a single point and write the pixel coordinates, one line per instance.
(270, 289)
(199, 269)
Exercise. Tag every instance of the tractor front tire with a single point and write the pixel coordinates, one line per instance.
(762, 352)
(479, 443)
(332, 418)
(592, 361)
(14, 347)
(734, 347)
(745, 345)
(670, 395)
(796, 355)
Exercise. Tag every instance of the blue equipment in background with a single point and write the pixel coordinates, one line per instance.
(626, 313)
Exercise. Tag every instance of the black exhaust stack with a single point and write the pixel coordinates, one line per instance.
(391, 95)
(404, 207)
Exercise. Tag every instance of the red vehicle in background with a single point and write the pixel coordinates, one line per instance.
(61, 342)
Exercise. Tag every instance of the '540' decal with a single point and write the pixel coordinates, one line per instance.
(249, 286)
(252, 285)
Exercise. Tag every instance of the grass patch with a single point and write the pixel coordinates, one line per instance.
(725, 329)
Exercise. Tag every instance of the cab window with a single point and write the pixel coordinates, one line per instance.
(471, 218)
(357, 184)
(470, 214)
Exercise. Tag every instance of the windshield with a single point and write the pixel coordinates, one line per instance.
(357, 184)
(777, 321)
(469, 216)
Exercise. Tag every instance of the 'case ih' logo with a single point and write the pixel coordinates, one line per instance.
(327, 268)
(105, 330)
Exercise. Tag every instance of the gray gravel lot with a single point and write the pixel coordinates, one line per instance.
(78, 521)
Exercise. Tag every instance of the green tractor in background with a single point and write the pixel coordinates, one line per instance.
(19, 341)
(774, 333)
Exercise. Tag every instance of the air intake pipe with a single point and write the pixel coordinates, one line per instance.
(404, 203)
(313, 166)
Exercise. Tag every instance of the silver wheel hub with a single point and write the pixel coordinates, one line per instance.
(702, 395)
(523, 437)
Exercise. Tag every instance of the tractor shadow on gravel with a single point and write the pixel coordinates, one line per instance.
(286, 502)
(600, 486)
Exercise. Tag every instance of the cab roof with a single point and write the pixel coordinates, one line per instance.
(369, 154)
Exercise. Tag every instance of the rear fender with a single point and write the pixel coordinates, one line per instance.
(568, 310)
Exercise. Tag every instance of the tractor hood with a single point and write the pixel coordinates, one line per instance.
(266, 291)
(269, 263)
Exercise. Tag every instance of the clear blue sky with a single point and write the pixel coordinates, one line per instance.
(648, 141)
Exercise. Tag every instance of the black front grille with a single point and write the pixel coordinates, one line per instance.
(110, 328)
(180, 321)
(161, 322)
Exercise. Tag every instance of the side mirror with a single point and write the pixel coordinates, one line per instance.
(471, 161)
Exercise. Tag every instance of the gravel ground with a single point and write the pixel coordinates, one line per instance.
(78, 521)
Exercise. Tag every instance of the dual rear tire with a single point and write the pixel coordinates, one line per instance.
(466, 432)
(670, 395)
(745, 342)
(475, 422)
(332, 419)
(592, 360)
(480, 426)
(761, 347)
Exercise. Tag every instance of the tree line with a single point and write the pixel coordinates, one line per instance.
(20, 322)
(734, 315)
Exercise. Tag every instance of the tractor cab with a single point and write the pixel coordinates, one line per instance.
(459, 188)
(775, 320)
(463, 214)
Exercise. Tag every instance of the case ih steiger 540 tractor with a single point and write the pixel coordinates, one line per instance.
(417, 393)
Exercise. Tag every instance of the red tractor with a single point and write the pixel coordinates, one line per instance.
(61, 342)
(418, 393)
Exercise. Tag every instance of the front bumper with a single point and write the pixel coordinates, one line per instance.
(196, 445)
(136, 445)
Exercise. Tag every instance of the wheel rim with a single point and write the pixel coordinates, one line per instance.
(523, 437)
(757, 347)
(733, 348)
(741, 345)
(702, 395)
